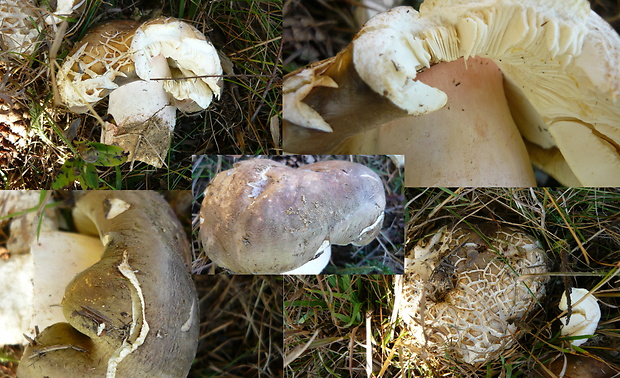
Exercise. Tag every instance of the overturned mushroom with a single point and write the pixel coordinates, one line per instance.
(457, 86)
(134, 312)
(462, 293)
(149, 70)
(264, 217)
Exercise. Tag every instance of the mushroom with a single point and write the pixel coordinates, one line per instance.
(134, 312)
(149, 70)
(578, 366)
(19, 26)
(263, 217)
(584, 316)
(463, 295)
(49, 279)
(470, 92)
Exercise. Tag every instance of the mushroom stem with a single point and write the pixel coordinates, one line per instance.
(144, 117)
(473, 140)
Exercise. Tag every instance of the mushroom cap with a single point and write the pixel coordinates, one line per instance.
(18, 28)
(97, 65)
(121, 51)
(560, 60)
(134, 312)
(463, 296)
(189, 54)
(264, 217)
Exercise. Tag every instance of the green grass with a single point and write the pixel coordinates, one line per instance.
(325, 319)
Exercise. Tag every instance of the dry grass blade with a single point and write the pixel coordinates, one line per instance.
(350, 333)
(299, 350)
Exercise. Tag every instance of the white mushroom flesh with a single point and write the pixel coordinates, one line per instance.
(190, 56)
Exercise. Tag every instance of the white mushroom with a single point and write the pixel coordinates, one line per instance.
(149, 70)
(188, 54)
(584, 317)
(263, 217)
(461, 294)
(455, 87)
(18, 209)
(50, 279)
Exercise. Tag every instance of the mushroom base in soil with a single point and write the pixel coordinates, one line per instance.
(263, 217)
(464, 292)
(144, 118)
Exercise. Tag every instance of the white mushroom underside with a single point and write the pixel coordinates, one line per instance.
(318, 262)
(585, 315)
(76, 252)
(189, 54)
